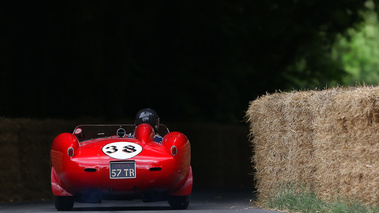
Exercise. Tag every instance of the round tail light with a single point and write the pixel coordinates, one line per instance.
(70, 151)
(174, 150)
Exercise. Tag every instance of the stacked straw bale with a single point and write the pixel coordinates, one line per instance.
(327, 140)
(25, 157)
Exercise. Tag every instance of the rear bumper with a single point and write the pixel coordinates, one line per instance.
(149, 185)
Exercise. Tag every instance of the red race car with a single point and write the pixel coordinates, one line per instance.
(113, 162)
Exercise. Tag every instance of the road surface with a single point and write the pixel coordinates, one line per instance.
(201, 201)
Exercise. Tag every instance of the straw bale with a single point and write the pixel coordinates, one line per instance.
(24, 155)
(327, 140)
(282, 137)
(346, 143)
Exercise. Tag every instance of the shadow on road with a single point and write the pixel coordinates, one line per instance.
(202, 200)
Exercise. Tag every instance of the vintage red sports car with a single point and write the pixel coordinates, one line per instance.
(123, 161)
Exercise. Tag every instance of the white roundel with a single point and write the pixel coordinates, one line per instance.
(122, 150)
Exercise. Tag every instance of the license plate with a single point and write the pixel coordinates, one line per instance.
(119, 170)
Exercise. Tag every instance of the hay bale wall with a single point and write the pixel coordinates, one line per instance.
(327, 140)
(25, 157)
(219, 155)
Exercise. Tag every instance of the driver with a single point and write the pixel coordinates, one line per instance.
(149, 116)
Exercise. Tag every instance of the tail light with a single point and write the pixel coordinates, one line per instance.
(174, 150)
(70, 151)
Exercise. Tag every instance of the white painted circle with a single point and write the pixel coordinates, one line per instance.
(122, 150)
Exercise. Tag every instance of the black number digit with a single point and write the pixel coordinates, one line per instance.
(129, 149)
(113, 149)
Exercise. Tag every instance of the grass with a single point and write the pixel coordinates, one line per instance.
(293, 198)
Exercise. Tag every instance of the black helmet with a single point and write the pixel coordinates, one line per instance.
(148, 116)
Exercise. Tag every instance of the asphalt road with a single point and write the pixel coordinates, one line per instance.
(201, 201)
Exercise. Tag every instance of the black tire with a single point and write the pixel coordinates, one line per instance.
(63, 203)
(179, 202)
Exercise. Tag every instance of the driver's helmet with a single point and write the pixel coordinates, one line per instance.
(148, 116)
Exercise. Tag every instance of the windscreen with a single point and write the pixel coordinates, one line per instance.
(92, 131)
(89, 131)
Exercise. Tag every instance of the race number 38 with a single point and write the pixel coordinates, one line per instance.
(122, 150)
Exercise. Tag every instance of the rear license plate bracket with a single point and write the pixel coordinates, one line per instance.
(122, 169)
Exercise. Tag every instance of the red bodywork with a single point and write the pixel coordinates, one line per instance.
(81, 169)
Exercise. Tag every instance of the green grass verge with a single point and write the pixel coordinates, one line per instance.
(292, 198)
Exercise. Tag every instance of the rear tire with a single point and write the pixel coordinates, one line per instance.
(179, 202)
(63, 203)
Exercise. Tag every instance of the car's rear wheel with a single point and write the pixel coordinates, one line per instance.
(179, 202)
(63, 203)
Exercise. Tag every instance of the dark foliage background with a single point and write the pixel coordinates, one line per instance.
(189, 60)
(63, 63)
